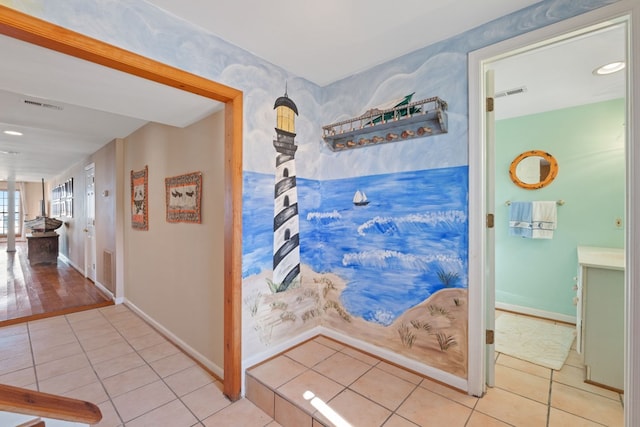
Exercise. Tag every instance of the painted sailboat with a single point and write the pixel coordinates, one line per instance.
(360, 198)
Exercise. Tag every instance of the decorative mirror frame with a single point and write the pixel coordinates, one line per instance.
(553, 169)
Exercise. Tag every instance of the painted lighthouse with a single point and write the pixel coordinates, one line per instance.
(286, 237)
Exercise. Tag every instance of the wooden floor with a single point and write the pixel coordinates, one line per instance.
(33, 292)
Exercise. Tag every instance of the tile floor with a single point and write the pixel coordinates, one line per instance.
(366, 391)
(113, 358)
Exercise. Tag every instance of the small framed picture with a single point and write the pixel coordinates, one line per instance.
(184, 196)
(140, 199)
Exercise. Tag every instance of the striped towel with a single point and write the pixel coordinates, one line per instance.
(544, 217)
(520, 219)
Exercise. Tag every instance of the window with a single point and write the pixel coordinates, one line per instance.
(4, 212)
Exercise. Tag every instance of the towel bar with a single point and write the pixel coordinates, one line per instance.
(558, 202)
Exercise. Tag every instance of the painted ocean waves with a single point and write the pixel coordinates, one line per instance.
(409, 241)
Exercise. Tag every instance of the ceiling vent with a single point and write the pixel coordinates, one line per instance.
(510, 92)
(42, 104)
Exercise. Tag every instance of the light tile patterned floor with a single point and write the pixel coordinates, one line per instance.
(365, 391)
(113, 358)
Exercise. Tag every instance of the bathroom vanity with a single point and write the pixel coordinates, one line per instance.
(600, 315)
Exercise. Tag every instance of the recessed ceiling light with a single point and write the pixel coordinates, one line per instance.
(9, 153)
(609, 68)
(13, 132)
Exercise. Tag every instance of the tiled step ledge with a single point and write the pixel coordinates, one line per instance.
(294, 386)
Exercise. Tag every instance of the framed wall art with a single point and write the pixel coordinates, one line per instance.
(140, 199)
(62, 199)
(184, 195)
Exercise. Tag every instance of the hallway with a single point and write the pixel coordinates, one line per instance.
(34, 292)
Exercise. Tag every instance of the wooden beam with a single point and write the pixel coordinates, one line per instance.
(233, 252)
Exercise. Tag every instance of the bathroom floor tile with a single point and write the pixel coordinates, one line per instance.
(329, 343)
(310, 353)
(119, 364)
(320, 386)
(399, 372)
(478, 419)
(142, 400)
(172, 364)
(129, 380)
(450, 393)
(424, 407)
(397, 421)
(173, 414)
(342, 368)
(574, 376)
(383, 388)
(61, 366)
(524, 366)
(512, 408)
(523, 383)
(355, 410)
(241, 413)
(188, 380)
(206, 400)
(277, 371)
(586, 404)
(558, 418)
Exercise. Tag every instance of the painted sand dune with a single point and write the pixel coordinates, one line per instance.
(433, 332)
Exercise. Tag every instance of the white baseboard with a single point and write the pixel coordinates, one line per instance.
(71, 263)
(414, 365)
(217, 370)
(104, 290)
(535, 312)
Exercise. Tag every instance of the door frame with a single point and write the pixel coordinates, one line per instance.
(92, 241)
(478, 193)
(42, 33)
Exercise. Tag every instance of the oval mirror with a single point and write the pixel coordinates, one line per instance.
(533, 169)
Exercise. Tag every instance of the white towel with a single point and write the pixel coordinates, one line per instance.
(544, 216)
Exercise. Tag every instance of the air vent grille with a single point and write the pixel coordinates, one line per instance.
(107, 272)
(510, 92)
(42, 104)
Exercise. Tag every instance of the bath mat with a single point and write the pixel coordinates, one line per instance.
(533, 340)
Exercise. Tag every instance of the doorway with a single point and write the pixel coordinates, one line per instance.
(32, 30)
(551, 99)
(480, 153)
(90, 224)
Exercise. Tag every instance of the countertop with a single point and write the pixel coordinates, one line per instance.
(592, 256)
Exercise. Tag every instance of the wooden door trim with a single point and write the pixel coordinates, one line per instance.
(45, 34)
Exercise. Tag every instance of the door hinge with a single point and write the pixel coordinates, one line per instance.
(490, 336)
(490, 220)
(489, 104)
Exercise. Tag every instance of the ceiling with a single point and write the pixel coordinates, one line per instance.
(328, 40)
(82, 112)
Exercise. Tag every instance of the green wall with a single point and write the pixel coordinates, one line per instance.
(588, 143)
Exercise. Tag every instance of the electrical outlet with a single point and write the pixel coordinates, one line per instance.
(618, 223)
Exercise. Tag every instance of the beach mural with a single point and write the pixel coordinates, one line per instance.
(392, 272)
(383, 258)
